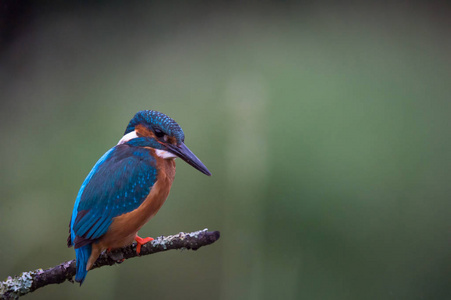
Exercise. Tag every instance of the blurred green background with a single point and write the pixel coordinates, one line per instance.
(326, 128)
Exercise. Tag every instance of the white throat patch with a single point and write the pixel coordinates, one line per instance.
(164, 154)
(129, 136)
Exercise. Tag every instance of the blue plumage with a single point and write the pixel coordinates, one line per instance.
(82, 254)
(80, 193)
(154, 119)
(119, 182)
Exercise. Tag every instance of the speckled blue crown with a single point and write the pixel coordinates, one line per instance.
(153, 119)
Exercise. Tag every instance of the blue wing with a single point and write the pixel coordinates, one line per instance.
(119, 182)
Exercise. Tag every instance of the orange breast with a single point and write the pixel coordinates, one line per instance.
(124, 227)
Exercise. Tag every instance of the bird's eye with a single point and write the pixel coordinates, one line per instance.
(158, 133)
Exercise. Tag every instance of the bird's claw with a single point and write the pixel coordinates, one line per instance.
(141, 241)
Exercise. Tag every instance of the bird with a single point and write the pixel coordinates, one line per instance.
(126, 188)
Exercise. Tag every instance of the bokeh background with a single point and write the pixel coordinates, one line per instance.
(326, 128)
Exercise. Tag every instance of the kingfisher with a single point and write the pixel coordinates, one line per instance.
(126, 188)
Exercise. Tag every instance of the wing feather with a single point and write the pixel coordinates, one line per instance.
(118, 184)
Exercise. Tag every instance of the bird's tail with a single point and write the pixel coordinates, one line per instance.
(82, 254)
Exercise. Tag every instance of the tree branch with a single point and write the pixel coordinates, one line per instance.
(30, 281)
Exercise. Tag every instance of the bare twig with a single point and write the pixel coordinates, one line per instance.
(30, 281)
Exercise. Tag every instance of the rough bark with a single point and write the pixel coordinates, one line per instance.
(30, 281)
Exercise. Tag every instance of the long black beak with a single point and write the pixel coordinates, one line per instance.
(184, 153)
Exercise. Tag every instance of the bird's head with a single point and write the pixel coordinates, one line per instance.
(153, 129)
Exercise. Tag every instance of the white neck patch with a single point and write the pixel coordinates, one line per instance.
(164, 154)
(129, 136)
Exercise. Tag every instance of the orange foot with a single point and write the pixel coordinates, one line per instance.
(141, 242)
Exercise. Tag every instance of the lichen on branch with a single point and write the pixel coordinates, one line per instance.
(27, 282)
